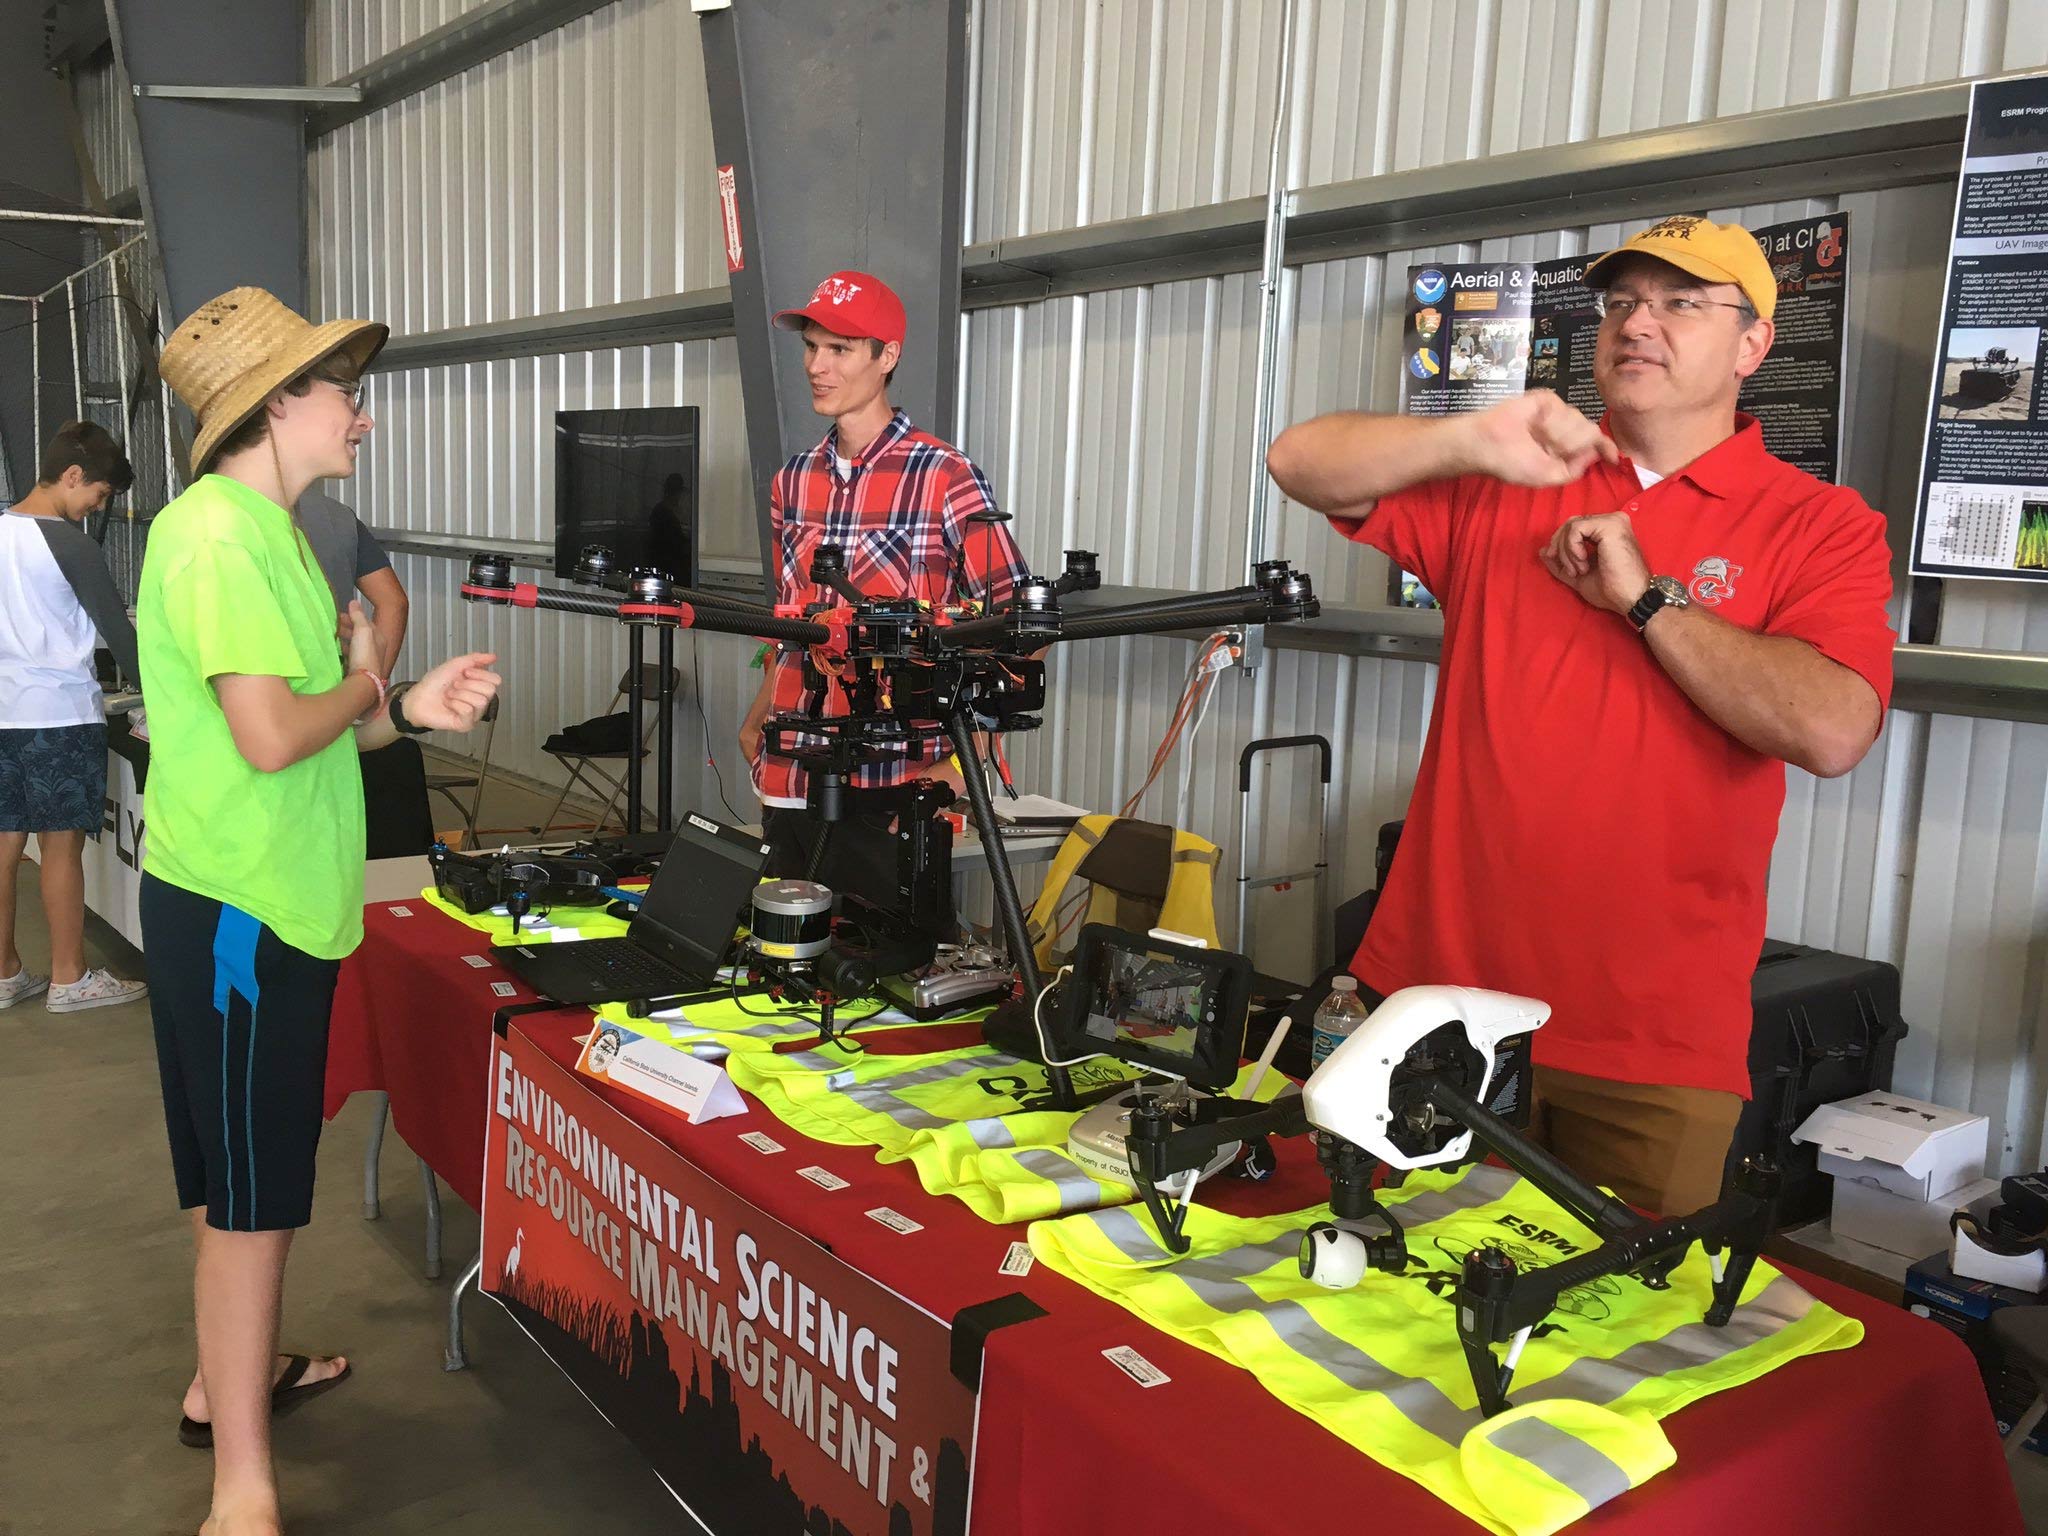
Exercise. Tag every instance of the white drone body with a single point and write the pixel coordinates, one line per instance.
(1350, 1094)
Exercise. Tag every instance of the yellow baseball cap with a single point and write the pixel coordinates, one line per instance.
(1719, 253)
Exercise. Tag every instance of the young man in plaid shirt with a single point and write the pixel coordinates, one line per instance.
(901, 504)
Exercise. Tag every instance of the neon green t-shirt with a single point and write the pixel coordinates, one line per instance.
(229, 585)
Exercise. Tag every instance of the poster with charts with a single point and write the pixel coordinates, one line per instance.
(1480, 333)
(1983, 502)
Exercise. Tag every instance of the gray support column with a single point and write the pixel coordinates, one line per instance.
(843, 125)
(223, 182)
(33, 256)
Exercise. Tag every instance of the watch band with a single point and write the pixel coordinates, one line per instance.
(1647, 607)
(405, 727)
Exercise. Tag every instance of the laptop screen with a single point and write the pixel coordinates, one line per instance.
(695, 902)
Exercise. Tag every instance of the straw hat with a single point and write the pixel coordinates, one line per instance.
(233, 353)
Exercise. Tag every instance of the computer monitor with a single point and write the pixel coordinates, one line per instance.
(627, 479)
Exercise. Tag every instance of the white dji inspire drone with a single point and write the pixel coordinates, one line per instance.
(1437, 1076)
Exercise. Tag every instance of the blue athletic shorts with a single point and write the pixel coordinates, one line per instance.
(241, 1045)
(53, 779)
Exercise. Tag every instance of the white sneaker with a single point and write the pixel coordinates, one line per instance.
(21, 986)
(95, 989)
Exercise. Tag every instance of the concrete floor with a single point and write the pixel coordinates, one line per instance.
(96, 1323)
(96, 1330)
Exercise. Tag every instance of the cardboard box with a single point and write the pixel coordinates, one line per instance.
(1909, 1228)
(1916, 1150)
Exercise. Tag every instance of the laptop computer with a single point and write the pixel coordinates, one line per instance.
(678, 939)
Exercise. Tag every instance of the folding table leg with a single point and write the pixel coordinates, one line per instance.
(372, 1209)
(456, 1358)
(433, 1220)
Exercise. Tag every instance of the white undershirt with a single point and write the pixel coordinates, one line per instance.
(1647, 477)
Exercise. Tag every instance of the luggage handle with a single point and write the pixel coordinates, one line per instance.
(1280, 744)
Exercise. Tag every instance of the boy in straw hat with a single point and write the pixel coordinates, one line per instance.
(252, 886)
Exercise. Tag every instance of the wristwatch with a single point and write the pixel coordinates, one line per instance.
(397, 711)
(1664, 592)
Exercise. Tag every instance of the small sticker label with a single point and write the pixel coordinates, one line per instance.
(1136, 1366)
(824, 1178)
(504, 988)
(399, 911)
(760, 1143)
(1018, 1260)
(895, 1221)
(476, 962)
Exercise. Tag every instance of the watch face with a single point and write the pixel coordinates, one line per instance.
(1672, 588)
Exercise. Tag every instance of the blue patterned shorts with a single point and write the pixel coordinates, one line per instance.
(53, 779)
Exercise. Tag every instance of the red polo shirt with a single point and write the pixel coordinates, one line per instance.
(1580, 832)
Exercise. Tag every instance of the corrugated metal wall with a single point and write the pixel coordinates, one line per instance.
(344, 35)
(106, 111)
(540, 182)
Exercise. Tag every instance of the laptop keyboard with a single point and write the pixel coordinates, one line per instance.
(625, 964)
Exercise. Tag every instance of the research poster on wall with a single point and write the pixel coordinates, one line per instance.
(1479, 333)
(1983, 505)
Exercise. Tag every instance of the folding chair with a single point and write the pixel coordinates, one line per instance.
(579, 757)
(446, 784)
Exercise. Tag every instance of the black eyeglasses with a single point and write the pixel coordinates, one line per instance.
(352, 393)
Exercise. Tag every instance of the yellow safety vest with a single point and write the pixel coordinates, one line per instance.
(583, 922)
(1380, 1365)
(1190, 905)
(973, 1122)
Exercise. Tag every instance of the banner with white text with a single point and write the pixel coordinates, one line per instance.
(772, 1387)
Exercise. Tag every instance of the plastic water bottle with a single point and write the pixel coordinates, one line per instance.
(1341, 1012)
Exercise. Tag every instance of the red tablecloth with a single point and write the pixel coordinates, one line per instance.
(1894, 1435)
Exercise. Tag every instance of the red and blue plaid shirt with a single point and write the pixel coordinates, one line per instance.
(901, 512)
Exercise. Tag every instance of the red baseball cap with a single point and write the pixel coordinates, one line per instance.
(856, 304)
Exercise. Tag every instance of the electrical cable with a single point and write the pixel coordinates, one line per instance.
(1038, 1022)
(697, 689)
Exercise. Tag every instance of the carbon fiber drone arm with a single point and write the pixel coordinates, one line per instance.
(490, 581)
(1281, 595)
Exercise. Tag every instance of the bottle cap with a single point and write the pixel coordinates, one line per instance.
(1344, 984)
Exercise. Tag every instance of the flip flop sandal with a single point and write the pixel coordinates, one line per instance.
(284, 1397)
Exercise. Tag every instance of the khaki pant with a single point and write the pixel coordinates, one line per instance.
(1659, 1148)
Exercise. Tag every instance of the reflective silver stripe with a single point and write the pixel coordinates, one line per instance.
(1077, 1191)
(990, 1132)
(1087, 834)
(1197, 856)
(1593, 1476)
(1776, 1307)
(878, 1096)
(1482, 1185)
(1218, 1280)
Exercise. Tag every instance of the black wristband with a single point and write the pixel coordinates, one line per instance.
(404, 726)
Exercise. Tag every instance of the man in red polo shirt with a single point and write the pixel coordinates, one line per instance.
(1644, 621)
(902, 504)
